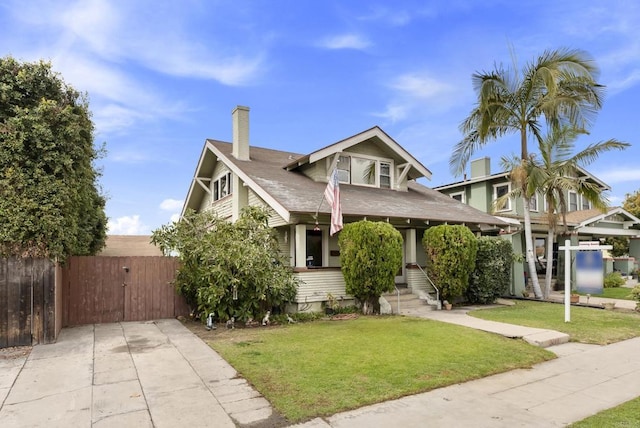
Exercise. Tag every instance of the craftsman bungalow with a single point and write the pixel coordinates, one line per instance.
(377, 182)
(584, 222)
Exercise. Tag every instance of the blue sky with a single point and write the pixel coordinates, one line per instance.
(163, 76)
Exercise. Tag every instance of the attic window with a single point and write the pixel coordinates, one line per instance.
(221, 187)
(363, 170)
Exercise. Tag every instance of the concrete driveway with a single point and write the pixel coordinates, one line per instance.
(130, 374)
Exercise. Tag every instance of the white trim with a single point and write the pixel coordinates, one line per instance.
(571, 192)
(582, 202)
(507, 206)
(463, 199)
(535, 198)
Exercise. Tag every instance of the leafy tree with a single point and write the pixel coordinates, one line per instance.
(559, 88)
(50, 202)
(451, 257)
(370, 256)
(554, 172)
(231, 269)
(632, 203)
(620, 245)
(492, 274)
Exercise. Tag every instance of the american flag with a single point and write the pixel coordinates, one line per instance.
(332, 195)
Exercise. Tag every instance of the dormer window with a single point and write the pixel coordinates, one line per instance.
(364, 170)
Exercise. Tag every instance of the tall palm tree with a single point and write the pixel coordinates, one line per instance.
(558, 88)
(555, 172)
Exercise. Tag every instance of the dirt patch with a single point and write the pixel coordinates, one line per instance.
(14, 352)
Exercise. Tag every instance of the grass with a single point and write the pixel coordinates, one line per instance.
(587, 325)
(623, 416)
(324, 367)
(623, 293)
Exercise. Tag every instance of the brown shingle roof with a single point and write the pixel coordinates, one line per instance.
(299, 194)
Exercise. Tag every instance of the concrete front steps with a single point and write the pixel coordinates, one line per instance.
(410, 304)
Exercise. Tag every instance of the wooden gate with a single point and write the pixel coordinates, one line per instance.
(110, 289)
(27, 301)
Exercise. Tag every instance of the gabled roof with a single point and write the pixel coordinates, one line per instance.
(505, 175)
(587, 217)
(288, 191)
(376, 133)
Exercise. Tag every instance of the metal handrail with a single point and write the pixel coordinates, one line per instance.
(431, 282)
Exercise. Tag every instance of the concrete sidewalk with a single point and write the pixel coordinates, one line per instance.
(133, 374)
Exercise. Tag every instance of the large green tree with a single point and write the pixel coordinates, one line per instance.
(558, 88)
(231, 269)
(553, 172)
(370, 256)
(50, 201)
(632, 203)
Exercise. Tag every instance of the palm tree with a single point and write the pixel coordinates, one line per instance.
(557, 89)
(554, 172)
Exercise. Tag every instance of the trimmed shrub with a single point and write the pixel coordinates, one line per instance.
(451, 257)
(370, 256)
(492, 274)
(613, 279)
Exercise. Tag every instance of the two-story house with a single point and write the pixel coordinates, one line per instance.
(377, 182)
(585, 223)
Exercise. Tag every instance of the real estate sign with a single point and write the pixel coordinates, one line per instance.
(589, 274)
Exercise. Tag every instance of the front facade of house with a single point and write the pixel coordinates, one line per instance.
(584, 222)
(377, 182)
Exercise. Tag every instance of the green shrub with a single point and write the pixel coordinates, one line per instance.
(370, 256)
(635, 293)
(613, 279)
(451, 257)
(492, 274)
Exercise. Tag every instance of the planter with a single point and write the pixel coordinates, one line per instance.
(609, 306)
(448, 306)
(575, 298)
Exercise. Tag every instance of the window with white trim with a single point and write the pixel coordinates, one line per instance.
(459, 196)
(573, 201)
(586, 203)
(500, 190)
(221, 187)
(363, 170)
(533, 203)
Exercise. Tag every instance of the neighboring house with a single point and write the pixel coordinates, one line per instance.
(129, 246)
(377, 182)
(584, 222)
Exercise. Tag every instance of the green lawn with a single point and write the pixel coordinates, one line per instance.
(320, 368)
(615, 293)
(626, 415)
(587, 325)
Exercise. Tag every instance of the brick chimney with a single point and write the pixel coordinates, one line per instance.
(240, 118)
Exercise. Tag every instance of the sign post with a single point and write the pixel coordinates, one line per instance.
(567, 269)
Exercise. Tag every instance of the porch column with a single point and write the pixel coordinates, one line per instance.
(410, 247)
(301, 245)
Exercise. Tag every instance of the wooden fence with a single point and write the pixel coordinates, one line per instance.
(111, 289)
(27, 301)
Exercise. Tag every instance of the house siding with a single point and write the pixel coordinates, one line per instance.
(275, 219)
(317, 283)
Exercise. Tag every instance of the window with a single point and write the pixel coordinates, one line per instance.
(221, 187)
(533, 203)
(573, 201)
(586, 204)
(500, 190)
(458, 197)
(385, 175)
(364, 171)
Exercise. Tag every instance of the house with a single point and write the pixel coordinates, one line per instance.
(129, 246)
(584, 222)
(377, 182)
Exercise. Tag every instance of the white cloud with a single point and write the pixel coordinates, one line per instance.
(171, 204)
(619, 175)
(421, 85)
(175, 217)
(345, 41)
(127, 225)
